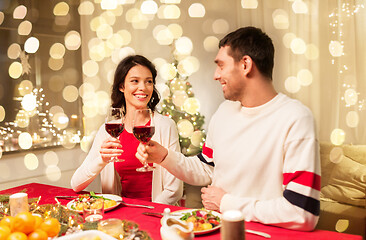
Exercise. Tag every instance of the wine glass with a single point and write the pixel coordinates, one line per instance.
(114, 125)
(143, 130)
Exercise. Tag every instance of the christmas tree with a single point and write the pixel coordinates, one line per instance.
(179, 103)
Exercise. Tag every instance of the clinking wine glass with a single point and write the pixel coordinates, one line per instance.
(114, 125)
(143, 130)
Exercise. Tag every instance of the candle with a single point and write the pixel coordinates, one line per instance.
(18, 203)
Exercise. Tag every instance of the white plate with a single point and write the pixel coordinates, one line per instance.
(182, 212)
(109, 196)
(89, 234)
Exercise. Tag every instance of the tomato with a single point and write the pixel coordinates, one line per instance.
(17, 236)
(24, 222)
(214, 222)
(51, 226)
(38, 234)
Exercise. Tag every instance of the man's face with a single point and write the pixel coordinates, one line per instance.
(229, 73)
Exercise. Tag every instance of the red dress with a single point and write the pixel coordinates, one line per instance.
(135, 184)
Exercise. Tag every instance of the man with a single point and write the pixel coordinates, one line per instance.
(261, 154)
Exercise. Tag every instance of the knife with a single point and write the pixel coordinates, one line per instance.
(66, 197)
(157, 214)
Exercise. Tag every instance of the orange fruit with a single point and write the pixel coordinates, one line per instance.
(38, 234)
(51, 226)
(4, 232)
(24, 222)
(8, 221)
(17, 236)
(39, 220)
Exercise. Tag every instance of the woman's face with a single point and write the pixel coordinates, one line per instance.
(138, 87)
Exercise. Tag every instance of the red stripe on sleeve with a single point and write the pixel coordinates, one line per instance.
(207, 151)
(304, 178)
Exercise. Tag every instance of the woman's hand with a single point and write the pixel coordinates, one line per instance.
(110, 148)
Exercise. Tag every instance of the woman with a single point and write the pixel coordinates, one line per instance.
(133, 88)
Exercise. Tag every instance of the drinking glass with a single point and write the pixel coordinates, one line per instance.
(112, 227)
(114, 125)
(93, 212)
(143, 130)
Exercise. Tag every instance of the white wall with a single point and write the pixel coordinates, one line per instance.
(13, 170)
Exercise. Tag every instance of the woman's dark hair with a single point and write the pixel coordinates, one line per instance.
(118, 97)
(253, 42)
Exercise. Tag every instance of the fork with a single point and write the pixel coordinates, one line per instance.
(134, 205)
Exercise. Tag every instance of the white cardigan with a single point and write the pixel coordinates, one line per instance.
(166, 188)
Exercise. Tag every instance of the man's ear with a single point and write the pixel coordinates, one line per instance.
(247, 63)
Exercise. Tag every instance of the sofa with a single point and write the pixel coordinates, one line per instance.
(343, 187)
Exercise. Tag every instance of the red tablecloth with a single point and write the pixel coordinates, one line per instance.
(152, 225)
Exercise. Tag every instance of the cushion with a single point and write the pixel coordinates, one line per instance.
(346, 183)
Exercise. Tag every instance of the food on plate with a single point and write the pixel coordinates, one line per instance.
(91, 238)
(202, 219)
(92, 201)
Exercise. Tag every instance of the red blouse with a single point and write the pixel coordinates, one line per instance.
(135, 184)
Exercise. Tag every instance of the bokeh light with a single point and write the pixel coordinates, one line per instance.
(176, 30)
(56, 83)
(57, 51)
(168, 71)
(196, 10)
(299, 7)
(211, 44)
(168, 12)
(14, 51)
(25, 140)
(312, 52)
(179, 97)
(192, 105)
(22, 119)
(56, 109)
(1, 17)
(24, 28)
(20, 12)
(50, 158)
(185, 128)
(184, 45)
(350, 96)
(2, 113)
(337, 136)
(336, 154)
(86, 8)
(335, 48)
(70, 93)
(55, 64)
(53, 173)
(72, 40)
(109, 17)
(163, 35)
(292, 85)
(25, 87)
(149, 7)
(352, 119)
(104, 31)
(31, 161)
(197, 138)
(305, 77)
(15, 70)
(31, 45)
(249, 4)
(108, 4)
(287, 39)
(298, 46)
(96, 22)
(90, 68)
(29, 102)
(280, 19)
(61, 9)
(342, 225)
(220, 26)
(60, 120)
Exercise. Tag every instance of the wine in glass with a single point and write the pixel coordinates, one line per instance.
(143, 130)
(114, 125)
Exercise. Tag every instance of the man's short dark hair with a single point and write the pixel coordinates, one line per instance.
(253, 42)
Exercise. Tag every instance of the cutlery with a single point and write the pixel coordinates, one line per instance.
(157, 214)
(134, 205)
(66, 197)
(262, 234)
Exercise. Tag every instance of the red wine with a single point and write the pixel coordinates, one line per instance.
(144, 133)
(114, 129)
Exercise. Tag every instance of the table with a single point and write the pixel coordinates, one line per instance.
(152, 225)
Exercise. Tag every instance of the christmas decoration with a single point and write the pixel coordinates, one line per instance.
(180, 104)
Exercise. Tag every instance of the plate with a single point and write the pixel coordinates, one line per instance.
(117, 198)
(89, 234)
(182, 212)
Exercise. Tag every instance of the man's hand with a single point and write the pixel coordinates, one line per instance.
(110, 148)
(152, 152)
(211, 197)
